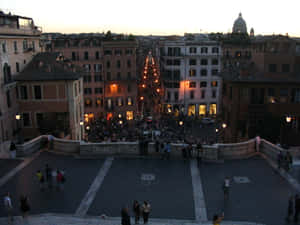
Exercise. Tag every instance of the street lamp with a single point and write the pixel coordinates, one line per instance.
(120, 122)
(18, 118)
(81, 123)
(88, 128)
(180, 123)
(224, 125)
(217, 130)
(288, 119)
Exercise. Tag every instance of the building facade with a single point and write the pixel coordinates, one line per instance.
(50, 96)
(190, 69)
(257, 100)
(19, 40)
(110, 79)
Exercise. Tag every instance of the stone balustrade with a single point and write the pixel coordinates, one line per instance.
(270, 150)
(66, 146)
(210, 152)
(31, 146)
(236, 150)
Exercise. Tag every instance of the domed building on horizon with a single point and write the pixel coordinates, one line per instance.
(239, 25)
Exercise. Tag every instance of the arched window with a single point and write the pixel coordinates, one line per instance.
(7, 73)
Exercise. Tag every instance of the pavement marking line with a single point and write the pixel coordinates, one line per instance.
(199, 201)
(292, 181)
(91, 194)
(14, 171)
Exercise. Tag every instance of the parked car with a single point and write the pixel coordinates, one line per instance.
(207, 120)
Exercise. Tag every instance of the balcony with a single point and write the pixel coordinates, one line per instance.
(5, 30)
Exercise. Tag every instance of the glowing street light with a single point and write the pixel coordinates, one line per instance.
(88, 128)
(120, 122)
(81, 123)
(224, 125)
(120, 115)
(158, 90)
(145, 77)
(18, 116)
(143, 85)
(142, 98)
(180, 123)
(288, 119)
(217, 130)
(156, 81)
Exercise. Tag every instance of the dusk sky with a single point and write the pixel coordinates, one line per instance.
(158, 16)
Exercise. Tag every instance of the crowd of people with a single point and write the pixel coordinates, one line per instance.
(112, 130)
(51, 178)
(138, 210)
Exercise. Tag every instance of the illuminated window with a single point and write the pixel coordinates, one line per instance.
(88, 102)
(120, 101)
(109, 103)
(98, 102)
(129, 101)
(213, 109)
(191, 110)
(129, 115)
(202, 110)
(214, 83)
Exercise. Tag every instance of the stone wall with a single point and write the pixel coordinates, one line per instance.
(236, 150)
(109, 148)
(66, 146)
(31, 146)
(270, 150)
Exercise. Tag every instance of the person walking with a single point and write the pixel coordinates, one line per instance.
(199, 153)
(125, 216)
(289, 161)
(290, 209)
(137, 211)
(41, 179)
(146, 211)
(297, 208)
(226, 186)
(8, 207)
(24, 206)
(48, 173)
(167, 150)
(59, 180)
(54, 175)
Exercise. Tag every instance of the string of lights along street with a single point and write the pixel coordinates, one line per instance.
(150, 87)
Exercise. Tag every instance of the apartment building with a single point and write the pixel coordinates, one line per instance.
(50, 98)
(19, 40)
(110, 79)
(258, 99)
(190, 67)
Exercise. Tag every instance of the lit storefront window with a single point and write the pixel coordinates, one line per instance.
(129, 115)
(191, 110)
(202, 110)
(213, 109)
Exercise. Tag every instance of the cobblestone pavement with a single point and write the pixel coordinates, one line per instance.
(52, 219)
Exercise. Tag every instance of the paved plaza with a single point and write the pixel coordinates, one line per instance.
(177, 190)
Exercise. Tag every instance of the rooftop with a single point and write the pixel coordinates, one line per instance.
(49, 67)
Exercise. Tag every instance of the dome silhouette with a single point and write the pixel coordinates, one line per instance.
(239, 25)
